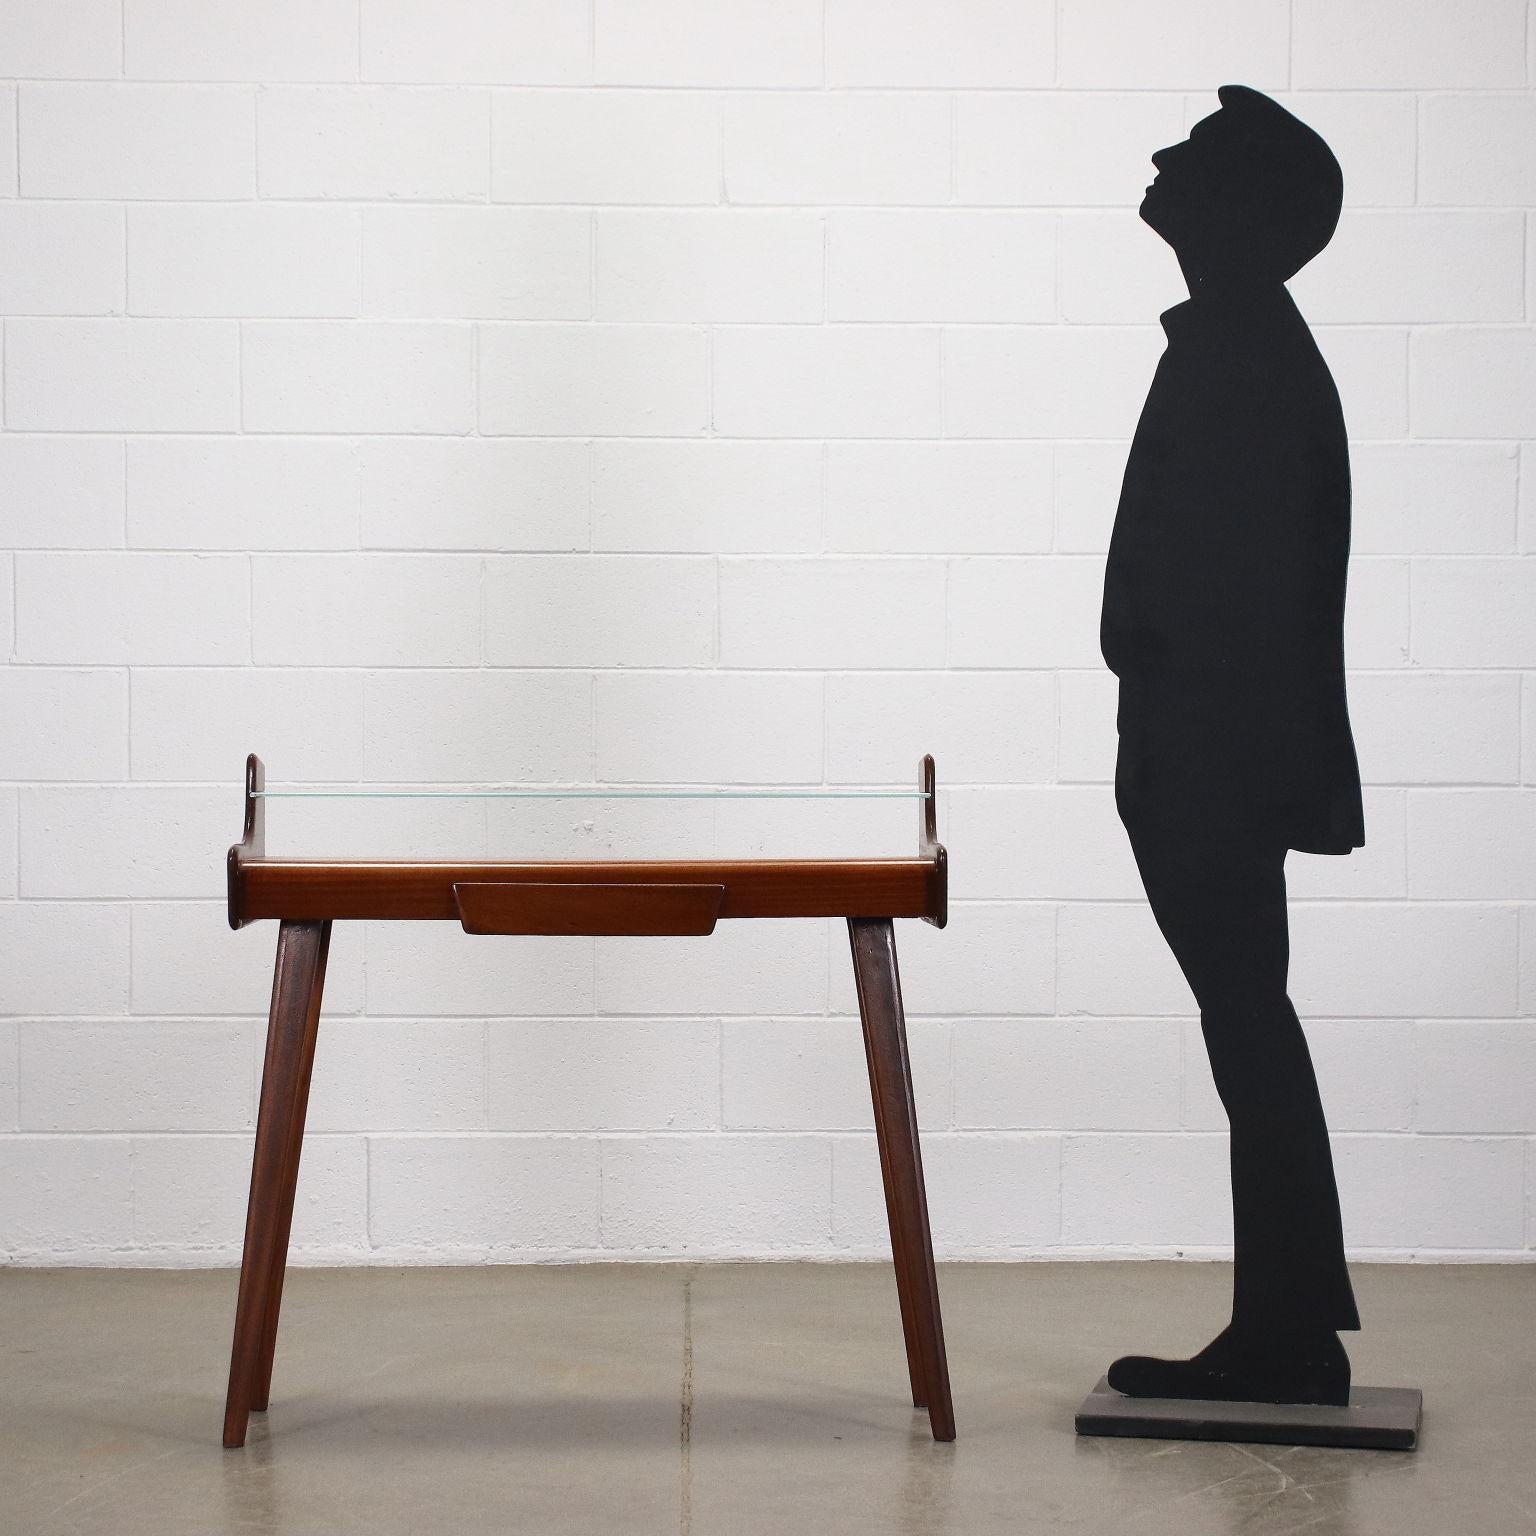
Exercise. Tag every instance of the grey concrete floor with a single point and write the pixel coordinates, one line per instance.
(721, 1399)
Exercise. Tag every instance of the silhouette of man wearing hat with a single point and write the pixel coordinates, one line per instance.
(1223, 619)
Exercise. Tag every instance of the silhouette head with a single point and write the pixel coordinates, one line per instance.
(1249, 198)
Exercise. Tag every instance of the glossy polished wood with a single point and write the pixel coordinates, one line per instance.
(296, 986)
(502, 906)
(901, 1165)
(641, 896)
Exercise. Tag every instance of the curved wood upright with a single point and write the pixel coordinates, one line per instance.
(640, 896)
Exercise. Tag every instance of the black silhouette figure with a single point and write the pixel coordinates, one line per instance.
(1223, 618)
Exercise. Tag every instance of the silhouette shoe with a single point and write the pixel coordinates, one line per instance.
(1259, 1369)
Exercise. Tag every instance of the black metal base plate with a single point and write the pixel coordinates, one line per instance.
(1377, 1418)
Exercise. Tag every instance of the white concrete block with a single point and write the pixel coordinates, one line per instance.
(475, 493)
(1052, 148)
(399, 1075)
(892, 264)
(432, 969)
(415, 144)
(708, 728)
(981, 727)
(1433, 498)
(240, 259)
(716, 264)
(1410, 1192)
(599, 1075)
(605, 828)
(62, 492)
(477, 263)
(241, 493)
(1081, 1074)
(827, 381)
(706, 42)
(9, 834)
(1475, 1075)
(8, 168)
(1115, 270)
(122, 375)
(865, 148)
(1132, 1192)
(1528, 489)
(1365, 1073)
(1044, 841)
(136, 1075)
(758, 968)
(122, 141)
(365, 610)
(1376, 613)
(480, 727)
(9, 1066)
(1380, 960)
(1031, 611)
(1383, 43)
(547, 42)
(1112, 961)
(812, 1075)
(339, 376)
(576, 380)
(987, 1194)
(1370, 367)
(78, 39)
(1474, 382)
(1379, 869)
(1472, 844)
(62, 1195)
(260, 40)
(973, 43)
(489, 1194)
(1436, 728)
(199, 722)
(86, 841)
(61, 259)
(371, 827)
(938, 498)
(1167, 44)
(599, 611)
(818, 829)
(1088, 480)
(1474, 613)
(187, 961)
(831, 613)
(65, 957)
(707, 497)
(1527, 943)
(605, 147)
(1088, 740)
(36, 701)
(190, 1194)
(1047, 381)
(717, 1194)
(115, 608)
(1417, 266)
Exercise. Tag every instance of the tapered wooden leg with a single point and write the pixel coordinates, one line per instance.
(290, 1179)
(297, 981)
(890, 1078)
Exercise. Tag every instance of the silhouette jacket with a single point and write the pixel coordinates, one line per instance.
(1224, 590)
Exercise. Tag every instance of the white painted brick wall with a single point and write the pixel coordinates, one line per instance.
(706, 392)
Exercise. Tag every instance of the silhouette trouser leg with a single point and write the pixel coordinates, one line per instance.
(1220, 902)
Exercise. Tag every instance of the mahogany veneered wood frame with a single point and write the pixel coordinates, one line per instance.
(610, 896)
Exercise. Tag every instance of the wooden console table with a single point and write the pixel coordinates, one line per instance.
(652, 896)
